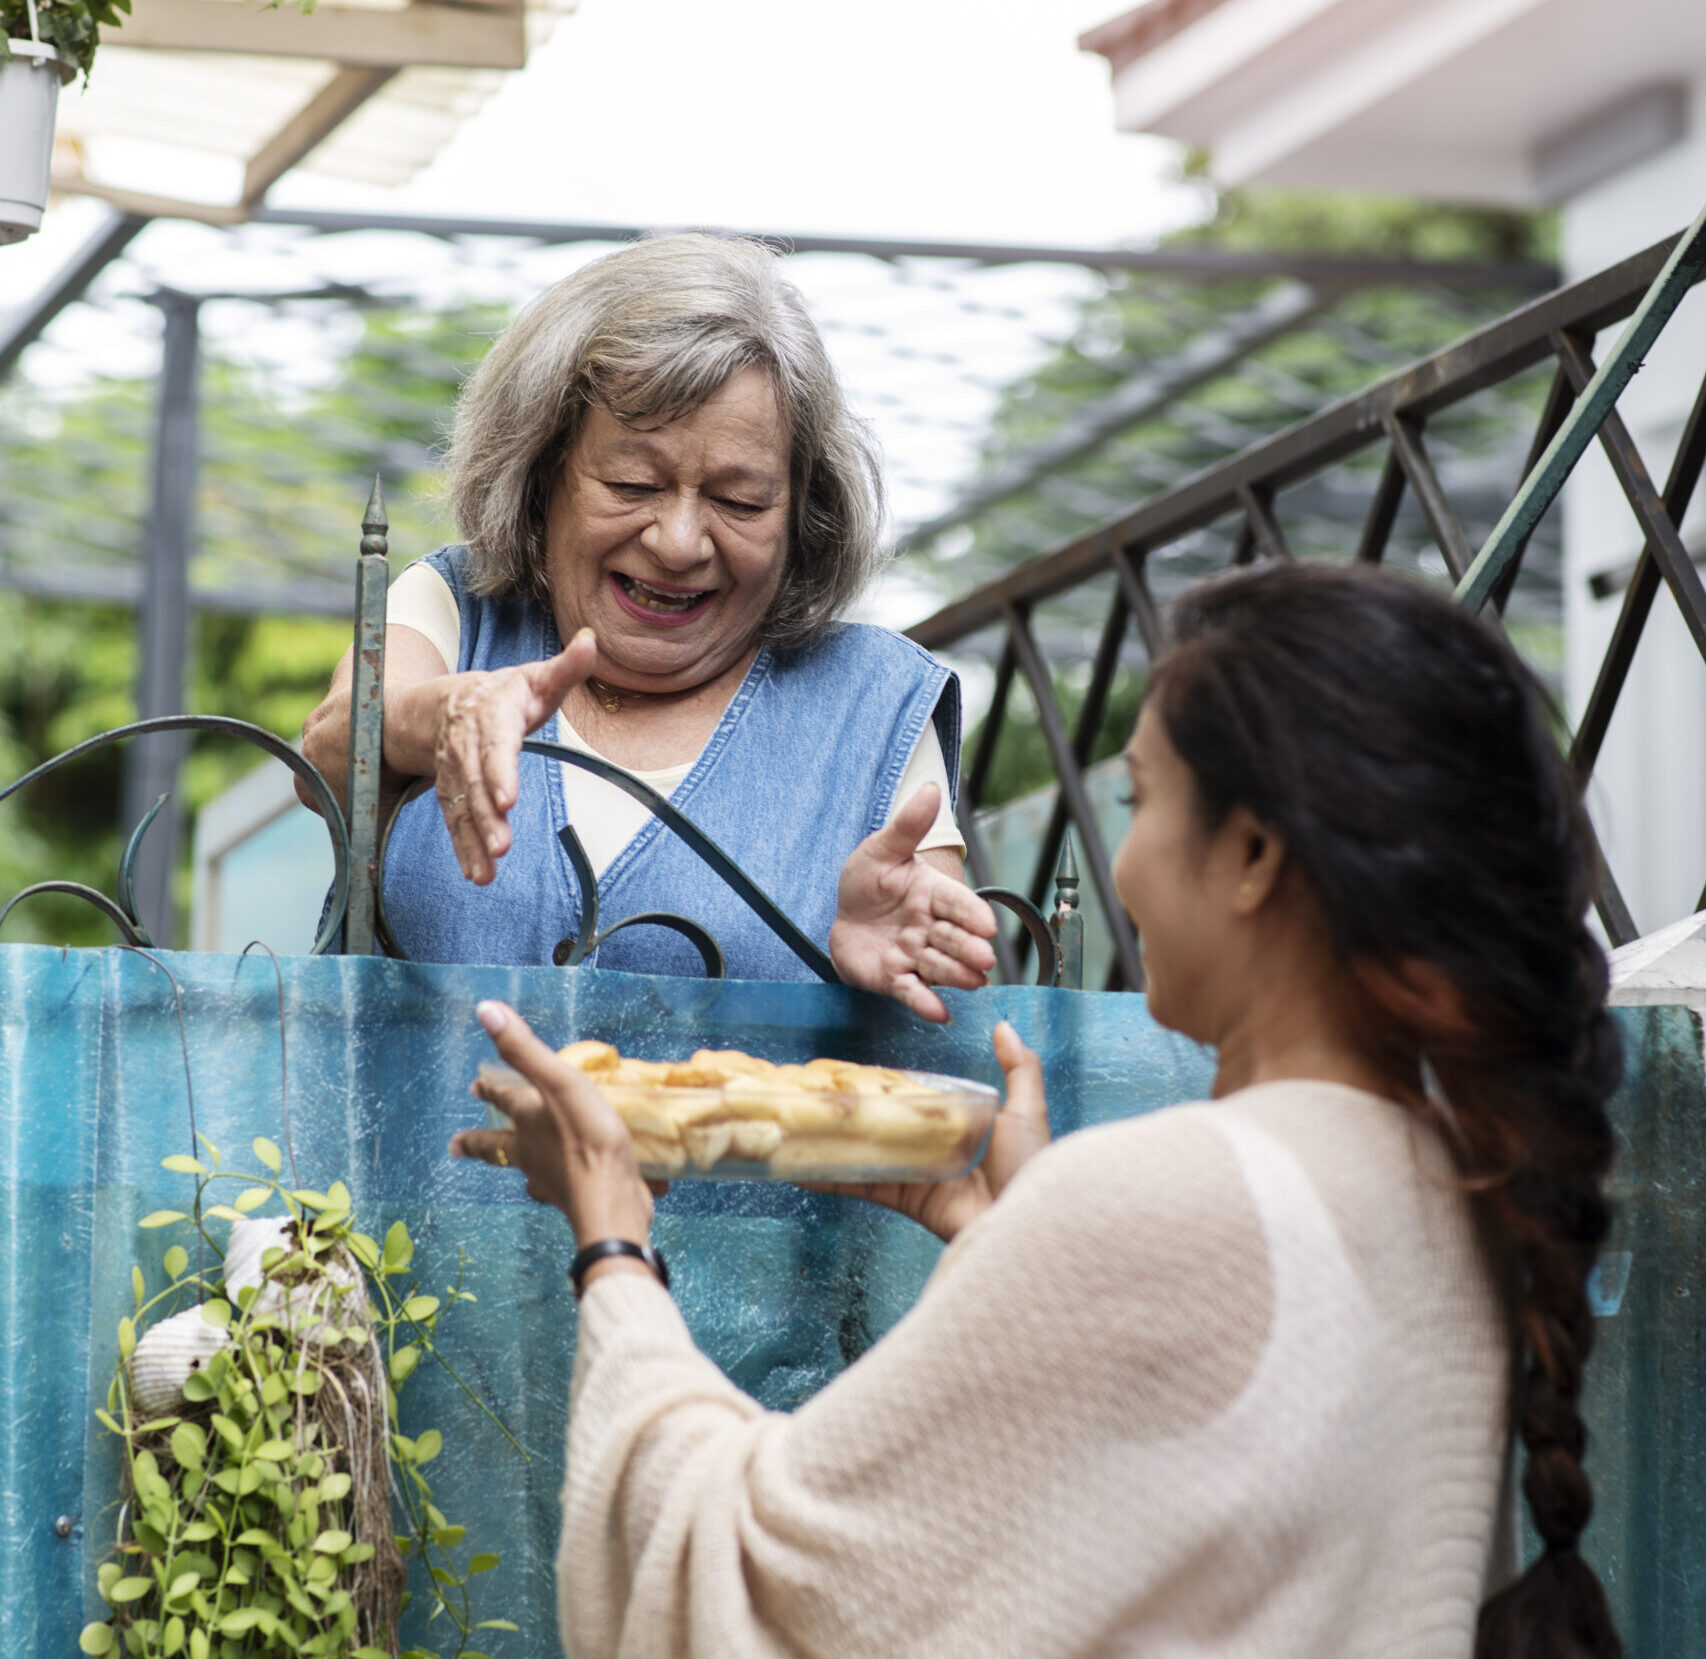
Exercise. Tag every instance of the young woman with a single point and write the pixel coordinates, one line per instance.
(1236, 1377)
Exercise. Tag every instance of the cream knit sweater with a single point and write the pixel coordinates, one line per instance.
(1228, 1379)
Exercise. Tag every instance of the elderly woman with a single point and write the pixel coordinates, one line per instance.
(667, 508)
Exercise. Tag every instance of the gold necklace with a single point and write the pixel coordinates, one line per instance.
(609, 696)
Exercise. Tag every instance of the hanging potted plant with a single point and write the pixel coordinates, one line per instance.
(43, 44)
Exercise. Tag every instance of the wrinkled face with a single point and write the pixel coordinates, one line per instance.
(1169, 879)
(670, 543)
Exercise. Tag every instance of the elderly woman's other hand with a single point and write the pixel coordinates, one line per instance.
(478, 722)
(903, 923)
(567, 1140)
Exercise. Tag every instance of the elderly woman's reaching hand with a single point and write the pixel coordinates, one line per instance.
(465, 731)
(655, 465)
(904, 922)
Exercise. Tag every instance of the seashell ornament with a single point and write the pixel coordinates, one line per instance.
(250, 1240)
(166, 1355)
(334, 1298)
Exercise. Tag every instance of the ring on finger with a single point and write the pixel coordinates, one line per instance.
(502, 1156)
(456, 800)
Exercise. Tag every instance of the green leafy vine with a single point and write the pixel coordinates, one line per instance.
(258, 1513)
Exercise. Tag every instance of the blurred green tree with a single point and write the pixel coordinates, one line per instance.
(1141, 320)
(284, 475)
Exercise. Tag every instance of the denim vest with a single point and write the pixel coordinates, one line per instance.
(803, 765)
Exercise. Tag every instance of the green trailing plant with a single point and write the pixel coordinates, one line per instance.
(73, 26)
(257, 1512)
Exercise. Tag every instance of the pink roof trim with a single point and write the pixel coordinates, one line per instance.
(1123, 39)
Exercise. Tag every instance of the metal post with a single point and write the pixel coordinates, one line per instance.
(152, 763)
(367, 724)
(1067, 922)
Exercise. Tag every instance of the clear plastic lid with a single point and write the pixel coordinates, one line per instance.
(723, 1115)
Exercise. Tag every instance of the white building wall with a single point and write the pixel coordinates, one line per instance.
(1649, 795)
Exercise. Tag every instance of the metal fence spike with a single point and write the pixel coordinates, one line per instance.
(1066, 872)
(374, 524)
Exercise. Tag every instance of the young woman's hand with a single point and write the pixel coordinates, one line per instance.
(1020, 1131)
(568, 1141)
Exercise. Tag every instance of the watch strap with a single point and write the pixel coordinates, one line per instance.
(607, 1247)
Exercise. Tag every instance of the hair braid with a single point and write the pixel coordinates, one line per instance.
(1554, 1213)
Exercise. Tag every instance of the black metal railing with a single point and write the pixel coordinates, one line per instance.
(1392, 415)
(353, 919)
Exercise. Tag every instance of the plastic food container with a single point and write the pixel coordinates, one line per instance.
(828, 1120)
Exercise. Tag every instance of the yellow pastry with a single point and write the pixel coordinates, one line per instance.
(721, 1106)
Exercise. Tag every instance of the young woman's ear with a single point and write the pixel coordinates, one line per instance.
(1259, 855)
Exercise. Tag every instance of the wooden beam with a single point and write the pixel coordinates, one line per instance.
(150, 207)
(459, 37)
(333, 104)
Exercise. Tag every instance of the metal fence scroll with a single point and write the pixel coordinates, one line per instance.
(122, 912)
(1045, 932)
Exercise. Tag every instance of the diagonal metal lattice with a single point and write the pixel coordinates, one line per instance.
(1390, 421)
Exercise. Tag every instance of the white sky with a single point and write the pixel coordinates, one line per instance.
(940, 118)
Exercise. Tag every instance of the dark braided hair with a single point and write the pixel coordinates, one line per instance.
(1403, 755)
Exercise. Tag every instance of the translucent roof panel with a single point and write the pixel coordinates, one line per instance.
(210, 130)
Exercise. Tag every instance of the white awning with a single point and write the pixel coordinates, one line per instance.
(1515, 102)
(196, 107)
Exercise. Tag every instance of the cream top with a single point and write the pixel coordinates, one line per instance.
(1224, 1380)
(604, 818)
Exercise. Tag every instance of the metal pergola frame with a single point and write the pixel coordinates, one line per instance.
(164, 597)
(120, 228)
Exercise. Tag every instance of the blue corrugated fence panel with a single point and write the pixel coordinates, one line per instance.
(781, 1287)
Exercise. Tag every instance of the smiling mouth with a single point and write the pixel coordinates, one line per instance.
(659, 600)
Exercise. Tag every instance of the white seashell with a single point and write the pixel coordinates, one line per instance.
(334, 1298)
(251, 1238)
(166, 1355)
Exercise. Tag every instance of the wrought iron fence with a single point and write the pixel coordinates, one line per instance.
(353, 916)
(1389, 419)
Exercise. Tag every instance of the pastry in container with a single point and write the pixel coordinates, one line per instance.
(725, 1115)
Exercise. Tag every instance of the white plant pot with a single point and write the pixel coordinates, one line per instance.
(29, 99)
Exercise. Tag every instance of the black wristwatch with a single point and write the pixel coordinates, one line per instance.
(607, 1247)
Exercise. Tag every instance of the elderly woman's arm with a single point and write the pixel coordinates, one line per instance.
(462, 730)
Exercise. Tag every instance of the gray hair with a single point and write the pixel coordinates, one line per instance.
(649, 333)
